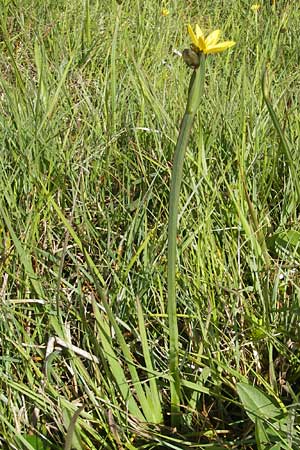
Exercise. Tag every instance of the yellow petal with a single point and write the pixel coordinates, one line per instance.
(212, 38)
(199, 32)
(201, 43)
(200, 37)
(219, 47)
(193, 36)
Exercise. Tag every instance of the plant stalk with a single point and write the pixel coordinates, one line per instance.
(196, 88)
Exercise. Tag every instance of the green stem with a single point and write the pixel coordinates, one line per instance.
(194, 96)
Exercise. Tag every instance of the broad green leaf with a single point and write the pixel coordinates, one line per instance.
(36, 442)
(285, 243)
(256, 403)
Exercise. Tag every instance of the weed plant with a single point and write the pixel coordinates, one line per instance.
(92, 94)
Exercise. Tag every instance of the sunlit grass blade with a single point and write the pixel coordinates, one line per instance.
(72, 437)
(24, 257)
(153, 392)
(145, 403)
(115, 365)
(283, 141)
(86, 32)
(55, 97)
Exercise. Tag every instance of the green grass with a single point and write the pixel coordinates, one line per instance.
(92, 96)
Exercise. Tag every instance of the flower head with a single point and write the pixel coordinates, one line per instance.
(255, 7)
(208, 45)
(165, 12)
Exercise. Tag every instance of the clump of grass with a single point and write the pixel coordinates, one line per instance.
(91, 99)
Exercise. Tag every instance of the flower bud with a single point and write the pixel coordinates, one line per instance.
(191, 58)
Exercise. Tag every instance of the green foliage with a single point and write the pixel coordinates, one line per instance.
(274, 427)
(92, 94)
(37, 443)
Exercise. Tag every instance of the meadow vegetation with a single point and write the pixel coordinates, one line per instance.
(92, 94)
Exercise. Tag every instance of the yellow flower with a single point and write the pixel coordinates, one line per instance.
(208, 45)
(255, 7)
(165, 12)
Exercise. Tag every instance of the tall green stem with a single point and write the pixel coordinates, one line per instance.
(194, 97)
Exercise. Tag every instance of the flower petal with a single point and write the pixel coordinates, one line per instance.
(200, 37)
(199, 32)
(212, 38)
(193, 36)
(219, 47)
(201, 43)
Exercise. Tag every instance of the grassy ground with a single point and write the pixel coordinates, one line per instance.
(92, 94)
